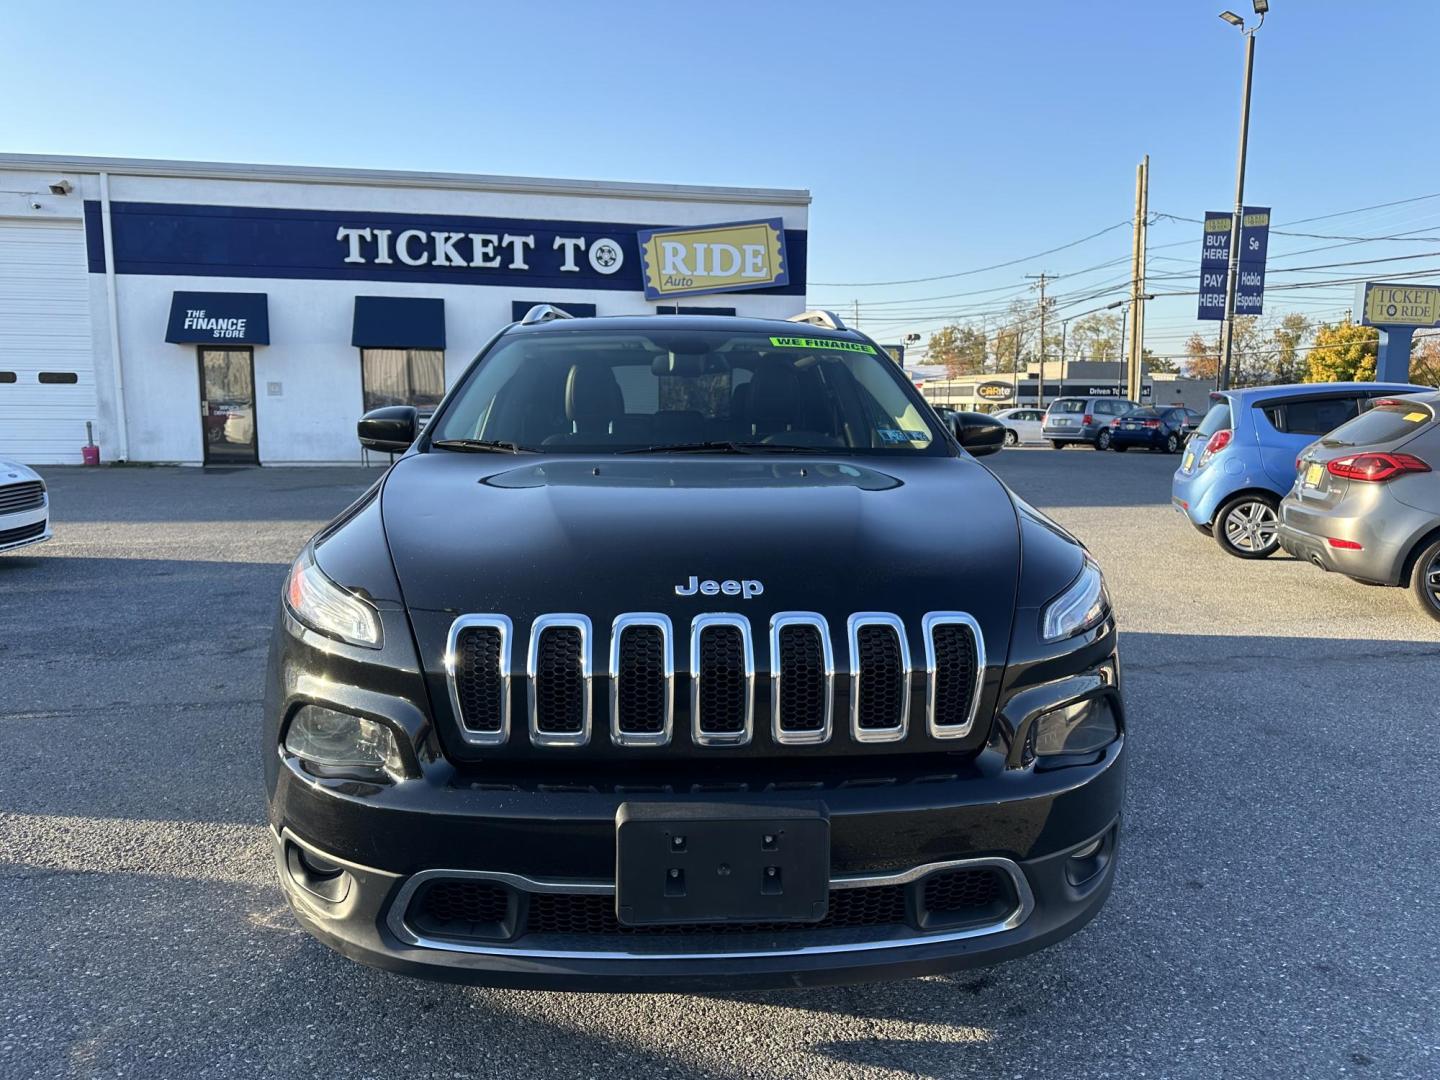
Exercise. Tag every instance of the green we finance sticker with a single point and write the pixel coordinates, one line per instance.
(821, 343)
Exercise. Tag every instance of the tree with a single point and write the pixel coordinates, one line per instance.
(1161, 364)
(1202, 357)
(1343, 352)
(1095, 337)
(1425, 361)
(960, 348)
(1290, 364)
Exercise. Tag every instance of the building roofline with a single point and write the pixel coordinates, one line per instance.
(310, 174)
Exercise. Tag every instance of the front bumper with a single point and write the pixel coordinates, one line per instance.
(1025, 823)
(25, 527)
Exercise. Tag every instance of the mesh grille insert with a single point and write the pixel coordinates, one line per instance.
(958, 892)
(802, 678)
(479, 683)
(882, 677)
(578, 913)
(954, 673)
(560, 681)
(641, 696)
(722, 680)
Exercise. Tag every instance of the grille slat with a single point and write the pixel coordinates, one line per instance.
(879, 678)
(955, 669)
(722, 666)
(802, 673)
(559, 671)
(642, 672)
(477, 666)
(29, 495)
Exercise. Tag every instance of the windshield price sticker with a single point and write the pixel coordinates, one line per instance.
(821, 343)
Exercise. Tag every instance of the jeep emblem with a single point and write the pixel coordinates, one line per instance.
(710, 587)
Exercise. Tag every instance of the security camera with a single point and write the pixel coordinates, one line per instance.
(35, 204)
(61, 187)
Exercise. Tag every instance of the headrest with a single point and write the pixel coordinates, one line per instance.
(591, 393)
(740, 402)
(775, 394)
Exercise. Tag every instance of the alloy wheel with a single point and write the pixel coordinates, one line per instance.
(1432, 580)
(1011, 438)
(1172, 444)
(1251, 527)
(1102, 441)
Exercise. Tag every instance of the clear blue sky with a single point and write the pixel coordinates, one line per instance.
(935, 138)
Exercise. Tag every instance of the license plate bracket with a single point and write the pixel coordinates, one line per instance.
(721, 863)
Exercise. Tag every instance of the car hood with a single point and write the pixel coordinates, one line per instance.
(523, 536)
(14, 472)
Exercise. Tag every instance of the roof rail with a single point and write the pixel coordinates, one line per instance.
(820, 317)
(542, 313)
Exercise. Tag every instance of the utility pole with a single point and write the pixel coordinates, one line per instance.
(1041, 277)
(1232, 275)
(1134, 312)
(857, 313)
(1135, 370)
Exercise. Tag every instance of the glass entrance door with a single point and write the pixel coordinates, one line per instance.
(227, 406)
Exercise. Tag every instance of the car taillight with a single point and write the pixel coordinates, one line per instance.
(1087, 419)
(1152, 423)
(1115, 423)
(1218, 442)
(1375, 468)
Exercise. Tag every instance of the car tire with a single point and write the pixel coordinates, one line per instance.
(1172, 443)
(1118, 448)
(1102, 441)
(1012, 437)
(1425, 580)
(1248, 526)
(1057, 444)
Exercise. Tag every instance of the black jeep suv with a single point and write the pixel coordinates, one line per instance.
(691, 652)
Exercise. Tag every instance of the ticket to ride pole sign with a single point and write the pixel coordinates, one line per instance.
(740, 255)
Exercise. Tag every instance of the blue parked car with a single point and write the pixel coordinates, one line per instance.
(1241, 460)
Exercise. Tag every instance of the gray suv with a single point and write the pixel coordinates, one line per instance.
(1083, 419)
(1366, 502)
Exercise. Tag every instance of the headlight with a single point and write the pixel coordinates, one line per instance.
(1081, 728)
(1081, 607)
(336, 740)
(328, 609)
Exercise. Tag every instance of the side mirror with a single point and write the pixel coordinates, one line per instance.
(389, 430)
(978, 433)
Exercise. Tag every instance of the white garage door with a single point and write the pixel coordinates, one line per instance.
(47, 368)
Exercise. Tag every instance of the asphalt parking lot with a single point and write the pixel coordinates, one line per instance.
(1276, 912)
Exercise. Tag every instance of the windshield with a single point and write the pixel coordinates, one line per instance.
(606, 391)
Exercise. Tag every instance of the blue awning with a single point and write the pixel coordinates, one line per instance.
(398, 322)
(217, 318)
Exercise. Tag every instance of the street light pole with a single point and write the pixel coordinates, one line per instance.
(1232, 274)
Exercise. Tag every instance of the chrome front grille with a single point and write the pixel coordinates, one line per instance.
(722, 675)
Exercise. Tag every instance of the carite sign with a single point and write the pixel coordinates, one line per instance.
(269, 242)
(1400, 305)
(994, 391)
(1215, 261)
(714, 258)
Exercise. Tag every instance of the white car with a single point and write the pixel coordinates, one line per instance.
(1023, 425)
(24, 506)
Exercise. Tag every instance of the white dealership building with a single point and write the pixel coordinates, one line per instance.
(238, 314)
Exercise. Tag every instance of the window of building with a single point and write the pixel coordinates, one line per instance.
(7, 376)
(402, 377)
(59, 377)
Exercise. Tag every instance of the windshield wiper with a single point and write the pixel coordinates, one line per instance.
(481, 446)
(726, 447)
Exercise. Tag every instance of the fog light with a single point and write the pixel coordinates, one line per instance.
(1081, 728)
(339, 743)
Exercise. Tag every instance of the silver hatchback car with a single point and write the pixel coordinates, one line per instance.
(1366, 501)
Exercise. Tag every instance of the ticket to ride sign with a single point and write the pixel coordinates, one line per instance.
(1398, 304)
(737, 256)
